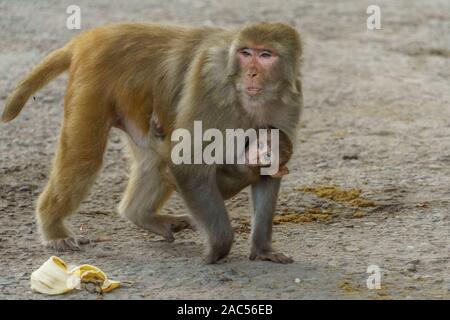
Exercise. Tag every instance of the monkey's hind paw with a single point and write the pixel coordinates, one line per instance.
(277, 257)
(181, 222)
(176, 224)
(66, 244)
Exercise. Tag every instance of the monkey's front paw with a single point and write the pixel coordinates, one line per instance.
(214, 256)
(277, 257)
(220, 249)
(66, 244)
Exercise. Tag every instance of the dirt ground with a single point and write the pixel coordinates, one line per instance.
(375, 132)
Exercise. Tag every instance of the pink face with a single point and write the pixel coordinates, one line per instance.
(256, 63)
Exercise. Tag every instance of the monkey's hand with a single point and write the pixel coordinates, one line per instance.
(281, 172)
(264, 196)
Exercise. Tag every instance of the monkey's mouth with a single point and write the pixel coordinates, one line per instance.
(253, 91)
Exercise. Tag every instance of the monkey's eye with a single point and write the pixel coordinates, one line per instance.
(265, 54)
(246, 52)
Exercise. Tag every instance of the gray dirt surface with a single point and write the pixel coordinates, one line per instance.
(378, 99)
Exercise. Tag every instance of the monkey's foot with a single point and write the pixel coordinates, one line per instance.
(277, 257)
(66, 244)
(166, 225)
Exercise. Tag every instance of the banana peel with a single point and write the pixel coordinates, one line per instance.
(56, 277)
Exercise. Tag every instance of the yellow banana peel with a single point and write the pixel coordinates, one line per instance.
(56, 277)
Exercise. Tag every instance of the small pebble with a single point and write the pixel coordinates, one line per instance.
(411, 267)
(350, 157)
(370, 224)
(290, 289)
(24, 189)
(351, 248)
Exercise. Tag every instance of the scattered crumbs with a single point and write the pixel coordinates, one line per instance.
(350, 196)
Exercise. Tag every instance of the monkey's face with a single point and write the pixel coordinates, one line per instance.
(258, 66)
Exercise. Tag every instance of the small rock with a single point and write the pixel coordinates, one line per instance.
(102, 239)
(350, 157)
(351, 248)
(290, 289)
(411, 267)
(24, 188)
(370, 224)
(48, 99)
(297, 280)
(322, 165)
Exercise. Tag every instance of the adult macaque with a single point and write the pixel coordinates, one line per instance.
(252, 160)
(123, 76)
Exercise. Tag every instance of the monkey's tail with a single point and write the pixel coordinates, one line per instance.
(54, 64)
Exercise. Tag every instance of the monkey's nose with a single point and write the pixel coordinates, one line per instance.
(252, 73)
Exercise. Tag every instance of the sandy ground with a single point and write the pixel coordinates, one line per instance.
(376, 118)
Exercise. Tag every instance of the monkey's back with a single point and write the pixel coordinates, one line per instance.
(138, 68)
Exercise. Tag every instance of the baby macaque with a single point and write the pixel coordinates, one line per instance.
(263, 148)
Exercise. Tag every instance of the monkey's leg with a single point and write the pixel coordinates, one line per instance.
(146, 193)
(78, 159)
(264, 197)
(198, 187)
